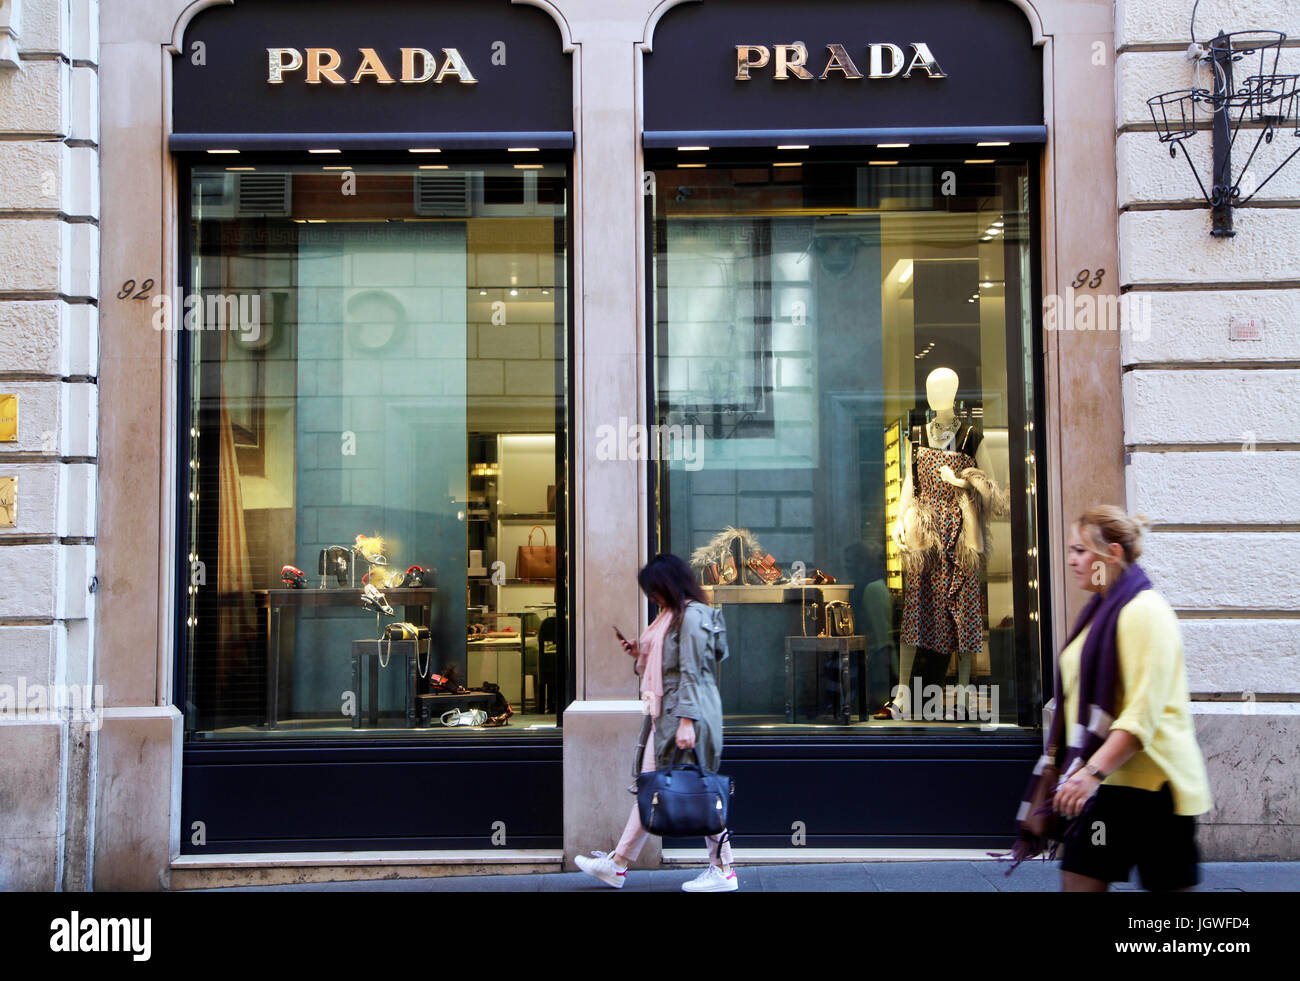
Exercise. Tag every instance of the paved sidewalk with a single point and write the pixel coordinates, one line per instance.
(857, 877)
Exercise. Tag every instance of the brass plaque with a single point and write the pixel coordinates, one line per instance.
(8, 418)
(8, 502)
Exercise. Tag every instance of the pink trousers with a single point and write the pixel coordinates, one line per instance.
(634, 835)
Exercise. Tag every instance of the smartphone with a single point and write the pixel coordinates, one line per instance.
(619, 634)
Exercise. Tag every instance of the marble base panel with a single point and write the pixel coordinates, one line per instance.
(599, 743)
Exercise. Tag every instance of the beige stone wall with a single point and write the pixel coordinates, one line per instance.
(49, 287)
(1209, 422)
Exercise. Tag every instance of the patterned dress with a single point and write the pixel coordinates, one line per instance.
(943, 604)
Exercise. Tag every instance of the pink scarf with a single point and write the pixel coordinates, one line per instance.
(650, 662)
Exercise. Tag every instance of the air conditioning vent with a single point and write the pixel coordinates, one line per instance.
(264, 194)
(443, 194)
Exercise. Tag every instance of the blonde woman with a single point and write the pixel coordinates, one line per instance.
(1132, 779)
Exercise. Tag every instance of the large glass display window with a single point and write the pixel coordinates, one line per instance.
(373, 447)
(845, 350)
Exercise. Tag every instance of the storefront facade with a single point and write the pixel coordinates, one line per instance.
(625, 278)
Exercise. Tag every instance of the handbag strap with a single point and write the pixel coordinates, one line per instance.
(545, 540)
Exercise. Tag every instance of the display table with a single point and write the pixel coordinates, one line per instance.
(377, 653)
(840, 647)
(417, 603)
(753, 680)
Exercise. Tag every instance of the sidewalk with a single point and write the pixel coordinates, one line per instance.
(934, 877)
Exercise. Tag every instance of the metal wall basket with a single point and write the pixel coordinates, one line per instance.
(1174, 114)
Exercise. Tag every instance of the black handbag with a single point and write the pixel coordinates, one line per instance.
(683, 800)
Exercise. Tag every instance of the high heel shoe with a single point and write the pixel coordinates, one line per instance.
(889, 710)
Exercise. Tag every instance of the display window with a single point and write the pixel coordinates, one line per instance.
(374, 406)
(843, 352)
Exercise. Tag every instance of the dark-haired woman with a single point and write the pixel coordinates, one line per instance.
(677, 659)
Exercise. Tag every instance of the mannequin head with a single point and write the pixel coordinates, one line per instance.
(941, 389)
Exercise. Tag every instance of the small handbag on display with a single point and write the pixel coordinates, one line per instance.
(684, 799)
(834, 619)
(535, 561)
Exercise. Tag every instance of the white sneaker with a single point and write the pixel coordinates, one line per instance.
(602, 867)
(712, 880)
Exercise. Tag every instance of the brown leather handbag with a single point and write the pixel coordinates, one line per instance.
(536, 561)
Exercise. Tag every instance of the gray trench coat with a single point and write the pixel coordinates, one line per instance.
(692, 653)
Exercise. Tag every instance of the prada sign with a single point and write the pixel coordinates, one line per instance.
(418, 65)
(379, 75)
(858, 72)
(884, 60)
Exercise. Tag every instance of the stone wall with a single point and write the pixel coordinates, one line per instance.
(49, 290)
(1210, 422)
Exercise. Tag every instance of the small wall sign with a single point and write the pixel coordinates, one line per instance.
(8, 418)
(1246, 330)
(8, 502)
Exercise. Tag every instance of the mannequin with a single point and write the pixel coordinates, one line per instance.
(943, 539)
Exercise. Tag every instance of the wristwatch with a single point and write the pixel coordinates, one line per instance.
(1094, 771)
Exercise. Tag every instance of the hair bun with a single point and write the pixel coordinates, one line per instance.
(1143, 523)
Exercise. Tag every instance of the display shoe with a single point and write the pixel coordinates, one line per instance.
(888, 711)
(712, 879)
(602, 867)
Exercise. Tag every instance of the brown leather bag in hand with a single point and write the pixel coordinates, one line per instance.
(536, 561)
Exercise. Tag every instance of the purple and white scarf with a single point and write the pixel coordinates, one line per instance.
(1041, 828)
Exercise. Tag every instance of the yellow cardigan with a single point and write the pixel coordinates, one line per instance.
(1153, 703)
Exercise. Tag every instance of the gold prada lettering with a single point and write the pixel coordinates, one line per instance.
(925, 60)
(371, 65)
(428, 66)
(791, 57)
(322, 62)
(278, 65)
(419, 65)
(454, 64)
(750, 56)
(790, 60)
(840, 61)
(878, 60)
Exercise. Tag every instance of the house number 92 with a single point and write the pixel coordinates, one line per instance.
(128, 288)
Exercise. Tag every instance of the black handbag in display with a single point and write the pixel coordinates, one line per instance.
(839, 619)
(683, 800)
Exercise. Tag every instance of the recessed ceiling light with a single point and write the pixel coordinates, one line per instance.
(522, 149)
(788, 163)
(424, 150)
(223, 151)
(514, 292)
(994, 143)
(893, 146)
(482, 292)
(883, 163)
(241, 168)
(793, 146)
(433, 166)
(528, 166)
(685, 149)
(978, 161)
(324, 151)
(685, 166)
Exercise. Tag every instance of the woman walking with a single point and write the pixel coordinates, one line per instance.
(1122, 735)
(677, 660)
